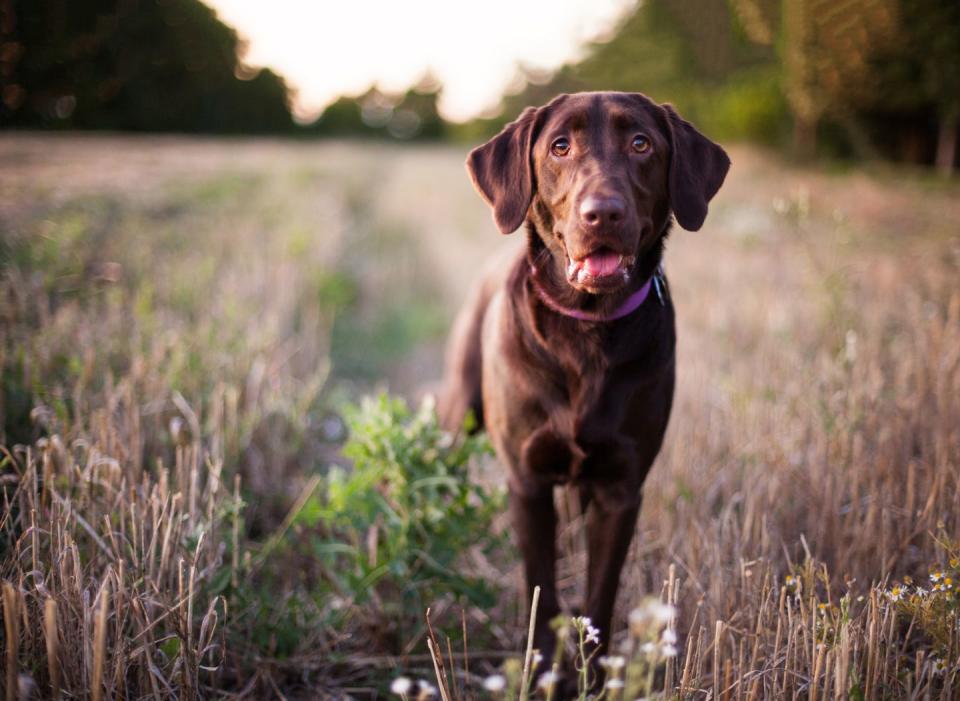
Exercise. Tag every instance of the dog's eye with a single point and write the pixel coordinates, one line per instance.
(640, 143)
(560, 147)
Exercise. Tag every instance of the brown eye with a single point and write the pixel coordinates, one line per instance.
(640, 143)
(560, 147)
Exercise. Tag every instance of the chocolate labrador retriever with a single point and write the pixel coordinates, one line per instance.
(566, 353)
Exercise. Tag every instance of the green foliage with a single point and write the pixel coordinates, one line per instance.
(336, 288)
(693, 54)
(391, 532)
(364, 345)
(749, 107)
(164, 65)
(755, 70)
(375, 114)
(933, 606)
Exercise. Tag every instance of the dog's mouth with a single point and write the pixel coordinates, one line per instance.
(602, 269)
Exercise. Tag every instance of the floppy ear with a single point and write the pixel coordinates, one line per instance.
(697, 169)
(502, 171)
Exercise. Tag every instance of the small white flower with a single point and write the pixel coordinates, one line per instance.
(652, 610)
(612, 662)
(593, 635)
(648, 648)
(662, 613)
(939, 665)
(427, 690)
(547, 680)
(668, 651)
(896, 594)
(637, 620)
(614, 684)
(495, 682)
(669, 636)
(537, 658)
(400, 685)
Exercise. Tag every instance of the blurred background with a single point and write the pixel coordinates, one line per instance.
(858, 79)
(233, 237)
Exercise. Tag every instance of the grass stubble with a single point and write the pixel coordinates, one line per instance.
(165, 357)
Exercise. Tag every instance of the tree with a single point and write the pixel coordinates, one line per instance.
(920, 72)
(167, 65)
(411, 115)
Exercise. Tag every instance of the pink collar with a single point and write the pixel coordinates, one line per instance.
(630, 304)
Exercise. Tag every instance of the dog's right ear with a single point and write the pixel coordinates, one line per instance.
(502, 171)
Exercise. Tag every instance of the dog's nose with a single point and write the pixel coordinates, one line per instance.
(597, 212)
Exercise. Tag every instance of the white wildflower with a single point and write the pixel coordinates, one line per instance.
(400, 686)
(427, 690)
(662, 613)
(593, 635)
(547, 680)
(668, 651)
(614, 684)
(651, 611)
(495, 682)
(637, 620)
(612, 662)
(669, 636)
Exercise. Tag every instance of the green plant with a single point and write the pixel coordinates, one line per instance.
(934, 607)
(391, 531)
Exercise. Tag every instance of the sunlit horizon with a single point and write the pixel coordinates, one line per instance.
(325, 51)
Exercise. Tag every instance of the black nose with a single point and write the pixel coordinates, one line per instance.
(597, 212)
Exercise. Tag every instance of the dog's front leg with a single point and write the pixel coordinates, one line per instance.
(534, 522)
(610, 527)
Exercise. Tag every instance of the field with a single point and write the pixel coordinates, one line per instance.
(186, 324)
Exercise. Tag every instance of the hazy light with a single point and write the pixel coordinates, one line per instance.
(326, 48)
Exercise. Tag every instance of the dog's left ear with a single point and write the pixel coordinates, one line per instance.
(697, 169)
(502, 171)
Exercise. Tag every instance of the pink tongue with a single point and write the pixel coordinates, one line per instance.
(601, 264)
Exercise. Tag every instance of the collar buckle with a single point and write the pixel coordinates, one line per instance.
(659, 282)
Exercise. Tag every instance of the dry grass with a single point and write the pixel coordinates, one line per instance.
(168, 313)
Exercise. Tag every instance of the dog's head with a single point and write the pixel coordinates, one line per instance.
(598, 175)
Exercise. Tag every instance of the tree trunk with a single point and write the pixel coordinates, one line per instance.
(947, 145)
(863, 148)
(804, 137)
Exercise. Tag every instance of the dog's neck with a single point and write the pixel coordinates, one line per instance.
(551, 274)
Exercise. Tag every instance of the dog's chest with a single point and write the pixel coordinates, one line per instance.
(581, 404)
(583, 413)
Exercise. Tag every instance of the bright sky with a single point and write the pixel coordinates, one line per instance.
(326, 48)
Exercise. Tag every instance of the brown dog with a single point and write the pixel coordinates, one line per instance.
(566, 354)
